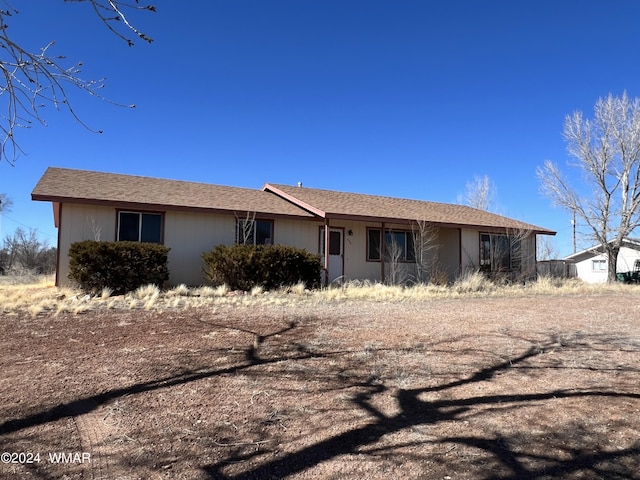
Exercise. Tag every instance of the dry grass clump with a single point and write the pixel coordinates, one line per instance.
(106, 293)
(298, 289)
(41, 297)
(147, 295)
(27, 279)
(145, 292)
(37, 296)
(207, 291)
(550, 285)
(473, 282)
(178, 291)
(257, 290)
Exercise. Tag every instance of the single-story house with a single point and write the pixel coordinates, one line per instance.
(591, 265)
(369, 237)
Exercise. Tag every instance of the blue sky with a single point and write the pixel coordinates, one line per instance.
(405, 98)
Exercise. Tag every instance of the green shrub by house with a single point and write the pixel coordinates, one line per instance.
(120, 266)
(242, 267)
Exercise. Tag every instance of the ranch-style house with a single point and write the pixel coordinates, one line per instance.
(369, 237)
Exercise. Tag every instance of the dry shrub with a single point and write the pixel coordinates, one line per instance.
(555, 285)
(549, 284)
(473, 282)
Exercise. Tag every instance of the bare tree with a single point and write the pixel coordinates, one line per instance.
(395, 260)
(480, 193)
(425, 236)
(246, 229)
(32, 80)
(95, 228)
(606, 150)
(523, 253)
(25, 253)
(545, 248)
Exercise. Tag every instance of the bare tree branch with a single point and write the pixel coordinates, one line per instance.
(31, 80)
(110, 11)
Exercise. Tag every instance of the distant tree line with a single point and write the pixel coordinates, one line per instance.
(24, 253)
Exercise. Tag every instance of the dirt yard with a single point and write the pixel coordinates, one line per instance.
(529, 387)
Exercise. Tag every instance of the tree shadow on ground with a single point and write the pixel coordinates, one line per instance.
(90, 403)
(506, 457)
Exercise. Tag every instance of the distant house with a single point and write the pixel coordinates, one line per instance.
(369, 237)
(591, 265)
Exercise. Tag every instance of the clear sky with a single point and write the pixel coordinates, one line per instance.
(408, 98)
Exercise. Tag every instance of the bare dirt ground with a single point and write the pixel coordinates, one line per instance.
(529, 387)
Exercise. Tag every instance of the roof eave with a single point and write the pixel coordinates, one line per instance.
(497, 228)
(596, 250)
(163, 207)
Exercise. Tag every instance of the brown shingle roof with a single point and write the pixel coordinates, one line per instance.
(82, 186)
(333, 204)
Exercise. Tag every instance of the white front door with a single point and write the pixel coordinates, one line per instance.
(336, 253)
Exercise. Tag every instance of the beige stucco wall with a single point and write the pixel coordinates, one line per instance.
(449, 252)
(470, 249)
(189, 235)
(82, 222)
(298, 233)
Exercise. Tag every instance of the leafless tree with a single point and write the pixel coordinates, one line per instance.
(480, 193)
(394, 253)
(425, 237)
(245, 228)
(523, 252)
(25, 253)
(95, 228)
(606, 151)
(31, 80)
(545, 248)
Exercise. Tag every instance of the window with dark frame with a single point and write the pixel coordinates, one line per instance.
(140, 227)
(398, 245)
(500, 253)
(373, 244)
(255, 232)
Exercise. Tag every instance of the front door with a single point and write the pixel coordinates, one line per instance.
(336, 253)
